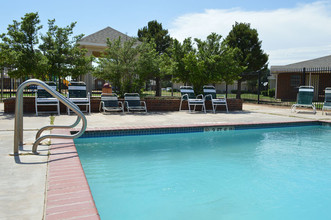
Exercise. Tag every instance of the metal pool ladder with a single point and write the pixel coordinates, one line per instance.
(18, 132)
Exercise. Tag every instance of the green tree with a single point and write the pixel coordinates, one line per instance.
(64, 57)
(148, 62)
(118, 65)
(177, 53)
(212, 62)
(6, 56)
(209, 51)
(18, 48)
(154, 32)
(230, 68)
(252, 57)
(196, 69)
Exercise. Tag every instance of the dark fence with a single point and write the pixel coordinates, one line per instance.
(10, 86)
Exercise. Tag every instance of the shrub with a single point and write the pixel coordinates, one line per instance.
(271, 92)
(264, 92)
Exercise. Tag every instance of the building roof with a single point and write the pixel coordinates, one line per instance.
(99, 38)
(322, 63)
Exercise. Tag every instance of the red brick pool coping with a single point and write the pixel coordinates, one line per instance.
(68, 194)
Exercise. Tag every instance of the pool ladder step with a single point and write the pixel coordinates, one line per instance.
(18, 130)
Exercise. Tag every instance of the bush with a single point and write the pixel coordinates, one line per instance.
(264, 92)
(271, 92)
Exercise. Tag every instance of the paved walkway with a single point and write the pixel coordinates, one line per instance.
(23, 178)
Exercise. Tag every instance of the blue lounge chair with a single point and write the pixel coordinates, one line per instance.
(187, 94)
(132, 102)
(109, 102)
(327, 100)
(305, 98)
(77, 94)
(210, 94)
(43, 98)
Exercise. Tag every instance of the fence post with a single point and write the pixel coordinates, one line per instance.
(2, 75)
(259, 87)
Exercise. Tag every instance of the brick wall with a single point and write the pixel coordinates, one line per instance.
(153, 104)
(285, 91)
(288, 92)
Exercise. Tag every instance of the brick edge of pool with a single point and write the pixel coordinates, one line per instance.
(68, 194)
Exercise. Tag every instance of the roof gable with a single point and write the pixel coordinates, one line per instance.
(100, 37)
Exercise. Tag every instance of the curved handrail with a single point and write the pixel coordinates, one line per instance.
(49, 127)
(18, 132)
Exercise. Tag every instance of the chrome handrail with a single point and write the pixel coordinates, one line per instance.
(18, 132)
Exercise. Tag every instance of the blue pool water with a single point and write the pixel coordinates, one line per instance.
(276, 173)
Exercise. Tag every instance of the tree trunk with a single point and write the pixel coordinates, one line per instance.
(157, 86)
(239, 89)
(60, 85)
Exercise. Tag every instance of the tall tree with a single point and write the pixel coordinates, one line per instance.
(253, 58)
(118, 65)
(196, 68)
(155, 32)
(149, 61)
(20, 46)
(177, 53)
(64, 57)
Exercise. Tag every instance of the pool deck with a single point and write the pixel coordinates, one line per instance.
(24, 179)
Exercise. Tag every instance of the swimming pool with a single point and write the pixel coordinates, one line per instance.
(274, 173)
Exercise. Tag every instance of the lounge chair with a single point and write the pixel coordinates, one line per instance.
(327, 100)
(187, 94)
(78, 95)
(210, 94)
(109, 102)
(44, 98)
(305, 98)
(132, 102)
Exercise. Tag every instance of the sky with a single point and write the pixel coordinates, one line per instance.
(290, 30)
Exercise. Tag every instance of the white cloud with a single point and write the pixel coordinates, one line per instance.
(288, 35)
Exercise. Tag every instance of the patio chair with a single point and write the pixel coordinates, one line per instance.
(109, 102)
(44, 98)
(305, 98)
(327, 100)
(132, 102)
(77, 94)
(210, 94)
(187, 94)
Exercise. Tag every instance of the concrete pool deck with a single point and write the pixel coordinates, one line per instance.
(23, 179)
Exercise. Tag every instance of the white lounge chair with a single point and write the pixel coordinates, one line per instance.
(44, 98)
(187, 94)
(77, 94)
(305, 98)
(132, 102)
(210, 94)
(327, 100)
(109, 103)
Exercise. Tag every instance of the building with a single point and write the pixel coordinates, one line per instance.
(315, 72)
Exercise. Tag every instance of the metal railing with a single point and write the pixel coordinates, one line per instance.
(18, 132)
